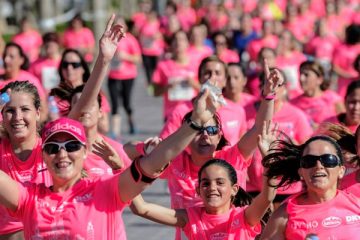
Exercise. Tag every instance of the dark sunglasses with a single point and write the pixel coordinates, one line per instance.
(327, 160)
(210, 130)
(73, 64)
(69, 146)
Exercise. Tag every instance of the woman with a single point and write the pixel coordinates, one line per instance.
(73, 72)
(351, 117)
(222, 48)
(79, 37)
(175, 78)
(16, 65)
(317, 101)
(123, 72)
(45, 68)
(20, 146)
(319, 164)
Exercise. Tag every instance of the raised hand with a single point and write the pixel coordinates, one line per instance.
(273, 80)
(108, 154)
(205, 107)
(267, 137)
(111, 37)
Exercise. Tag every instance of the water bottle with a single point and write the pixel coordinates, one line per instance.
(4, 98)
(53, 109)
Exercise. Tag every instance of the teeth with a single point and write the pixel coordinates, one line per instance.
(319, 175)
(18, 126)
(62, 164)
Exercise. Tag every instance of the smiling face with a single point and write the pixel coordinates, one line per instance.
(64, 167)
(216, 189)
(319, 178)
(20, 117)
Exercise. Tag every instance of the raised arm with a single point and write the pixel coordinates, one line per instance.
(248, 142)
(9, 192)
(262, 202)
(159, 214)
(107, 48)
(151, 166)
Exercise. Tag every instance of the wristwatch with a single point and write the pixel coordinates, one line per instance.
(193, 124)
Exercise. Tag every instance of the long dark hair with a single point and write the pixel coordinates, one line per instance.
(22, 54)
(284, 159)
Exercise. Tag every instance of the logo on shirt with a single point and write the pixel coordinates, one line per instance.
(353, 219)
(305, 225)
(219, 236)
(232, 124)
(331, 222)
(84, 198)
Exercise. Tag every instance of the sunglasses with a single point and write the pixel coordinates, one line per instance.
(69, 146)
(210, 130)
(73, 64)
(327, 160)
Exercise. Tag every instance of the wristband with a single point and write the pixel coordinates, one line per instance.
(138, 174)
(193, 125)
(268, 97)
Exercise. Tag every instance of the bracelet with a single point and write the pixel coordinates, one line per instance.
(138, 174)
(140, 148)
(193, 124)
(268, 97)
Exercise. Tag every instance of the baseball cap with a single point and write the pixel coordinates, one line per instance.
(66, 125)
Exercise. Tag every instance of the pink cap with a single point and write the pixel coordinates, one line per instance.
(66, 125)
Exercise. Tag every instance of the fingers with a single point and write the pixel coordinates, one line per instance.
(110, 22)
(266, 68)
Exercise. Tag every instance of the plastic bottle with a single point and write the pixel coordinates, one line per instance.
(53, 108)
(4, 98)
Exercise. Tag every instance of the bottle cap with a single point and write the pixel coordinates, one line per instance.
(5, 97)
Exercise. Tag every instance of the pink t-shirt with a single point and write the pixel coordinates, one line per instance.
(95, 166)
(32, 170)
(228, 56)
(25, 76)
(198, 54)
(30, 42)
(228, 226)
(81, 212)
(187, 17)
(318, 108)
(344, 57)
(337, 218)
(232, 116)
(82, 38)
(46, 69)
(168, 71)
(120, 69)
(182, 176)
(322, 47)
(139, 19)
(150, 44)
(294, 123)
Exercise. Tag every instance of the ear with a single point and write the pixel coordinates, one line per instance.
(38, 115)
(300, 173)
(234, 189)
(341, 172)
